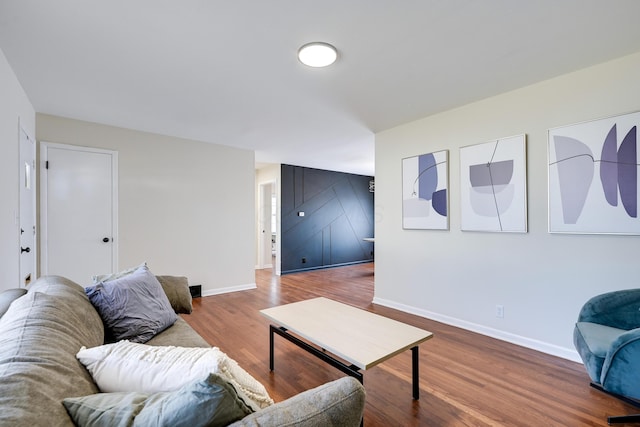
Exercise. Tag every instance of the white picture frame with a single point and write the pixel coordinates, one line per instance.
(425, 191)
(593, 176)
(493, 186)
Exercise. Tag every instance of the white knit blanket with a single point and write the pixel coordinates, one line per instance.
(127, 366)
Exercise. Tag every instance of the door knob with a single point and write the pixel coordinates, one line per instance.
(27, 250)
(105, 240)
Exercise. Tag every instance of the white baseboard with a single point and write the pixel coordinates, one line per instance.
(554, 350)
(218, 291)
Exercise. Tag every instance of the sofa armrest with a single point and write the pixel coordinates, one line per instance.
(336, 403)
(620, 373)
(618, 309)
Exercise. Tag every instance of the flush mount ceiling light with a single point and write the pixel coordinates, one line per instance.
(317, 54)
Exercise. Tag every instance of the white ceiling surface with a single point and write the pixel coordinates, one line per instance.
(226, 72)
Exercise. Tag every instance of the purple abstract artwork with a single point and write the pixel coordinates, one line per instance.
(575, 171)
(425, 192)
(492, 190)
(619, 171)
(427, 180)
(593, 177)
(609, 166)
(493, 186)
(628, 173)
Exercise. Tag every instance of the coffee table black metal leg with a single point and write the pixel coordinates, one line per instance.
(416, 374)
(271, 328)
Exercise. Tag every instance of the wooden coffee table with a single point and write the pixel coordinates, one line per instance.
(339, 333)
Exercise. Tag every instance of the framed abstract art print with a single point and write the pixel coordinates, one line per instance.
(593, 176)
(425, 199)
(493, 186)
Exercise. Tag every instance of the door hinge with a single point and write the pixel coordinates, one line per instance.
(46, 164)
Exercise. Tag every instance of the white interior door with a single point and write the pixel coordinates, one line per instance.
(79, 211)
(27, 248)
(265, 226)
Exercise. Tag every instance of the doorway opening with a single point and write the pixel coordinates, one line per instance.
(268, 239)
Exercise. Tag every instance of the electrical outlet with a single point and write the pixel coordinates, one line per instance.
(500, 311)
(304, 260)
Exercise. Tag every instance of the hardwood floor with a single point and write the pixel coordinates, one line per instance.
(466, 379)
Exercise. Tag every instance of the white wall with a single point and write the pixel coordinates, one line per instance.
(185, 207)
(15, 111)
(542, 279)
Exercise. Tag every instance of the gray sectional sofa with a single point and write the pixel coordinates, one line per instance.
(42, 330)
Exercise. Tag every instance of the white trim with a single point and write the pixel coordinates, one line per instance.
(554, 350)
(44, 146)
(264, 267)
(34, 182)
(229, 289)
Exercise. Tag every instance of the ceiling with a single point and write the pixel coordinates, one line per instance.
(226, 72)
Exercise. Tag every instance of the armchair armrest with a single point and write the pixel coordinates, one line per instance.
(620, 373)
(618, 309)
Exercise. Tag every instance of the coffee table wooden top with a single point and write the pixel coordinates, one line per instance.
(362, 338)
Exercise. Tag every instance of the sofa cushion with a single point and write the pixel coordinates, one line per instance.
(338, 403)
(180, 334)
(8, 296)
(39, 336)
(177, 290)
(211, 402)
(133, 307)
(127, 366)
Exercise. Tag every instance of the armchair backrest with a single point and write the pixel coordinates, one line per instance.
(618, 309)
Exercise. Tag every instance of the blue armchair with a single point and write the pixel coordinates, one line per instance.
(607, 337)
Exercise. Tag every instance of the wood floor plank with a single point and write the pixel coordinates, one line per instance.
(466, 379)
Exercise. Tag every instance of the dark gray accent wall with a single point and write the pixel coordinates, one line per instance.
(338, 214)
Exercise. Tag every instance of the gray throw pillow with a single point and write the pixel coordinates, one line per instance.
(177, 290)
(210, 402)
(111, 276)
(133, 307)
(8, 296)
